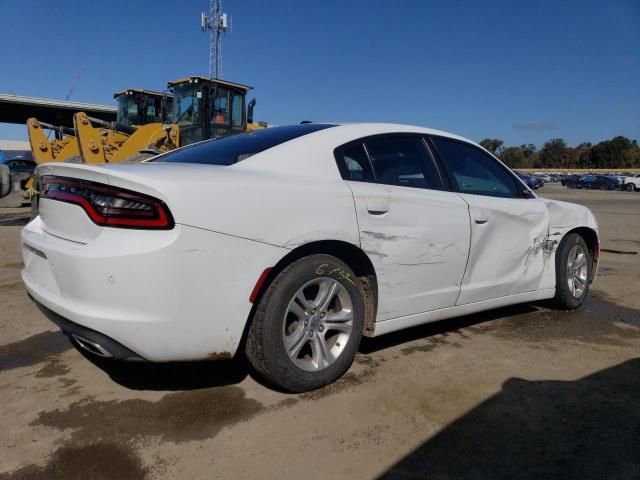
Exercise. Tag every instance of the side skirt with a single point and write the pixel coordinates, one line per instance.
(407, 321)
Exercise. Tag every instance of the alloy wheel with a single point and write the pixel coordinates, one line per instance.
(317, 324)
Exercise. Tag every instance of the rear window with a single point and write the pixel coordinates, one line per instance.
(234, 149)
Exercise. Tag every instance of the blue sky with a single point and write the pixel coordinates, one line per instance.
(520, 71)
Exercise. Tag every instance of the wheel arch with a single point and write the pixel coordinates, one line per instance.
(347, 252)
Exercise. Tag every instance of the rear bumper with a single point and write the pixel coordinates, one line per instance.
(173, 295)
(94, 342)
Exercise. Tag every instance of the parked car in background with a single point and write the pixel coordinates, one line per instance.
(554, 177)
(13, 176)
(20, 165)
(543, 176)
(631, 183)
(532, 182)
(570, 181)
(599, 182)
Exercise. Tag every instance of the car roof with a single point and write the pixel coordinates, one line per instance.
(316, 147)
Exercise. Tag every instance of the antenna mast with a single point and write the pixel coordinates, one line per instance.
(217, 23)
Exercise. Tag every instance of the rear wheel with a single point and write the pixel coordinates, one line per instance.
(308, 324)
(629, 187)
(573, 271)
(571, 185)
(603, 186)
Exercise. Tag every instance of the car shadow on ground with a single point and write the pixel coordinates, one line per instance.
(173, 376)
(205, 374)
(371, 345)
(583, 429)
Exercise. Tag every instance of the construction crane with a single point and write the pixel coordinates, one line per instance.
(74, 84)
(217, 24)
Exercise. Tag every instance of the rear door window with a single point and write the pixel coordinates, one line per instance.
(403, 161)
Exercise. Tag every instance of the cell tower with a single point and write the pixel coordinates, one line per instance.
(217, 23)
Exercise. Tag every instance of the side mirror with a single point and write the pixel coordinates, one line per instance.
(528, 194)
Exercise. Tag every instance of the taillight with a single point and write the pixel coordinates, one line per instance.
(108, 206)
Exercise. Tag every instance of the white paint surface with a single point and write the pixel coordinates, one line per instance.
(184, 293)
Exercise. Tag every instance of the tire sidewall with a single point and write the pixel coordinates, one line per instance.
(563, 296)
(290, 281)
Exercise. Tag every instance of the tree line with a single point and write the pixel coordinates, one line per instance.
(619, 152)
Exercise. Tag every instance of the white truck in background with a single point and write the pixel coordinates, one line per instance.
(631, 183)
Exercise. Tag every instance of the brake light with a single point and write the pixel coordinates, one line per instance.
(109, 206)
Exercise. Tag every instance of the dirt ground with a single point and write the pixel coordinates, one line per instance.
(519, 392)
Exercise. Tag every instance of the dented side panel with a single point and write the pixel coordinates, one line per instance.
(418, 242)
(508, 240)
(564, 217)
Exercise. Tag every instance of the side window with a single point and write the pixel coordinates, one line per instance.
(236, 110)
(473, 171)
(353, 163)
(403, 161)
(220, 110)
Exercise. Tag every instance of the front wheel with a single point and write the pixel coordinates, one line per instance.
(308, 324)
(629, 187)
(573, 271)
(603, 186)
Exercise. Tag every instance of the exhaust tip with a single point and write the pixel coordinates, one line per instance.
(91, 346)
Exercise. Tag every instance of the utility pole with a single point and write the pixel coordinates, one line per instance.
(217, 23)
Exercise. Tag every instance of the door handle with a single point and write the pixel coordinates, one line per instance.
(481, 218)
(378, 206)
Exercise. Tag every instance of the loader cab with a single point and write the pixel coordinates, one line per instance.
(207, 108)
(141, 107)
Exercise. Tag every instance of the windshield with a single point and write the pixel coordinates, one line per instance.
(186, 103)
(230, 150)
(139, 109)
(127, 110)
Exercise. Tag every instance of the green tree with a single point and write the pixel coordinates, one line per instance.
(515, 157)
(556, 154)
(528, 150)
(494, 145)
(612, 153)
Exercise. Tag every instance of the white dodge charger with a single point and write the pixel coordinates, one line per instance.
(290, 243)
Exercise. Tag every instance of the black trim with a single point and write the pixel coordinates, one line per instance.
(518, 183)
(117, 350)
(337, 153)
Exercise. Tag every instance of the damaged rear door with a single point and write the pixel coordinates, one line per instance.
(509, 225)
(415, 233)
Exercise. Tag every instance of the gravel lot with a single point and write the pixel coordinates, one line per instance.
(525, 391)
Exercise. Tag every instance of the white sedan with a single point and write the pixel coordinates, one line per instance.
(290, 243)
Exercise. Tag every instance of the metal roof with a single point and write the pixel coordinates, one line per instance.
(141, 90)
(203, 79)
(17, 109)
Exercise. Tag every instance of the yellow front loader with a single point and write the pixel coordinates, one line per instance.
(205, 108)
(139, 131)
(63, 146)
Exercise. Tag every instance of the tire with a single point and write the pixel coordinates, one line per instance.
(603, 187)
(290, 318)
(571, 293)
(571, 185)
(629, 187)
